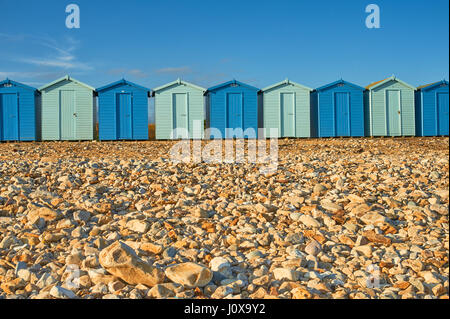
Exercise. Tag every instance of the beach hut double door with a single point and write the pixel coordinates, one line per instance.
(287, 114)
(180, 111)
(124, 124)
(393, 111)
(9, 116)
(68, 113)
(442, 113)
(234, 113)
(342, 113)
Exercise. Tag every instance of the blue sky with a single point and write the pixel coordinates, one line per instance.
(209, 42)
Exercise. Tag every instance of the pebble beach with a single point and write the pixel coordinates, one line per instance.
(341, 218)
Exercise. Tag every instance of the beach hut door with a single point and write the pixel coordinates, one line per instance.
(442, 99)
(342, 111)
(180, 114)
(234, 115)
(68, 115)
(287, 115)
(9, 115)
(124, 102)
(393, 112)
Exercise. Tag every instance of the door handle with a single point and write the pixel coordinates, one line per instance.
(398, 112)
(75, 114)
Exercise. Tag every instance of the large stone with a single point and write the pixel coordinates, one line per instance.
(138, 226)
(189, 274)
(285, 274)
(62, 293)
(313, 248)
(373, 218)
(42, 212)
(122, 261)
(219, 264)
(167, 290)
(328, 205)
(309, 221)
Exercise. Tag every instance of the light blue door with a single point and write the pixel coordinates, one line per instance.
(124, 119)
(393, 112)
(234, 114)
(10, 117)
(287, 115)
(68, 115)
(180, 114)
(342, 112)
(442, 99)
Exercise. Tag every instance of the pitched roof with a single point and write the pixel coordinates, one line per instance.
(213, 88)
(391, 78)
(178, 81)
(375, 83)
(337, 82)
(66, 78)
(430, 85)
(123, 81)
(285, 82)
(8, 81)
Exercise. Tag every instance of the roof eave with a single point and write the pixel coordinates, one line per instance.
(66, 78)
(231, 82)
(392, 78)
(285, 82)
(9, 81)
(122, 81)
(162, 87)
(324, 87)
(432, 85)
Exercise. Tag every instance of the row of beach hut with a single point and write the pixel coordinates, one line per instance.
(66, 110)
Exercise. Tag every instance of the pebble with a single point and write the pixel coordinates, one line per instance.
(313, 248)
(309, 221)
(189, 274)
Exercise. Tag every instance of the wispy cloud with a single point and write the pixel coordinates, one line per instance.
(172, 70)
(41, 77)
(57, 62)
(60, 56)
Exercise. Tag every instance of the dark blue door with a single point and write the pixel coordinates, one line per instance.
(124, 126)
(234, 115)
(443, 113)
(10, 116)
(342, 107)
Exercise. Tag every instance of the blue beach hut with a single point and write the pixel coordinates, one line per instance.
(338, 110)
(232, 110)
(19, 105)
(432, 109)
(123, 111)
